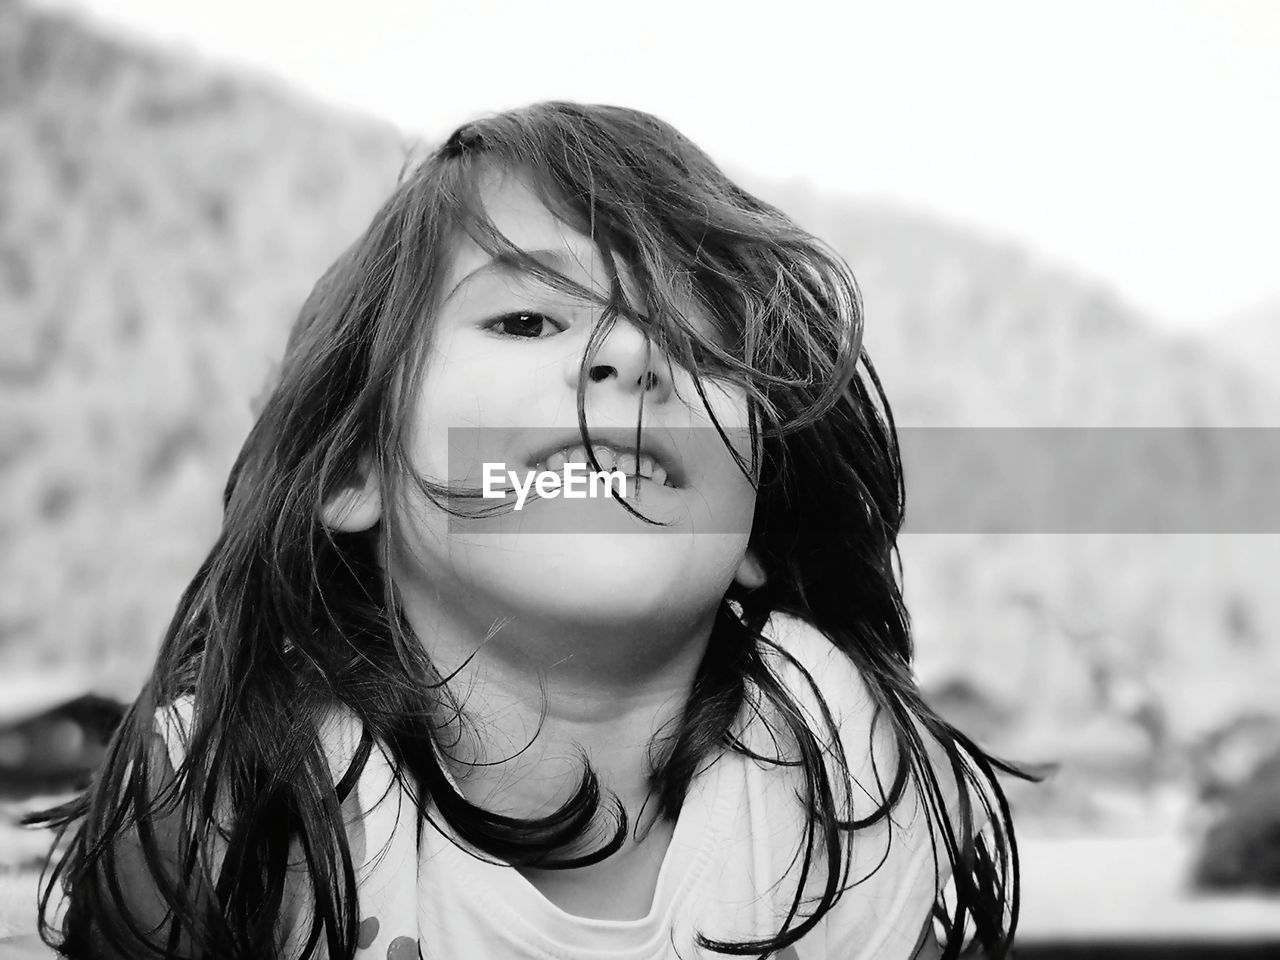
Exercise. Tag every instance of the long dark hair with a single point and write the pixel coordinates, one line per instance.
(285, 617)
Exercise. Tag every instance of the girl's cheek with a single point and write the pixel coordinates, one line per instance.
(726, 402)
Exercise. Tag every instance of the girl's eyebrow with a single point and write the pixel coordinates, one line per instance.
(509, 263)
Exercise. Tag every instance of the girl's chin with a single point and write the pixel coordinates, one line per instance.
(601, 577)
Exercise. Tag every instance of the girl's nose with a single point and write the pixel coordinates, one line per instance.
(631, 360)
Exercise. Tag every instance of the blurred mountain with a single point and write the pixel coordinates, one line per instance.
(1251, 339)
(161, 221)
(975, 331)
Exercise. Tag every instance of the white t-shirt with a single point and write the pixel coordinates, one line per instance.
(730, 871)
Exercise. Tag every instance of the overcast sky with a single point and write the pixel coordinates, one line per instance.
(1137, 141)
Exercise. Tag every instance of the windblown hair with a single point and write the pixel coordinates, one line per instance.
(286, 618)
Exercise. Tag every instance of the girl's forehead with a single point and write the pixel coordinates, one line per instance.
(515, 210)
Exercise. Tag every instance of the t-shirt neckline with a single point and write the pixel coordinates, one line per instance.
(532, 920)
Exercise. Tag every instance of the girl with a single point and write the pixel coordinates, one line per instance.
(395, 716)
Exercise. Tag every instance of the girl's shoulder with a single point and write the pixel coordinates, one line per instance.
(380, 819)
(825, 681)
(896, 872)
(340, 732)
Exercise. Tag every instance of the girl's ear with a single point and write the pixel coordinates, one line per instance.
(750, 573)
(356, 506)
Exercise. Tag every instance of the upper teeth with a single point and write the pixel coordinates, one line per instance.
(609, 459)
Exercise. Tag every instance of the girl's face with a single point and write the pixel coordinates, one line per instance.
(500, 388)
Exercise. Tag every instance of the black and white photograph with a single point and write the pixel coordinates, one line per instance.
(666, 481)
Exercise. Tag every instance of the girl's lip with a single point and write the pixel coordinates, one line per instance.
(622, 440)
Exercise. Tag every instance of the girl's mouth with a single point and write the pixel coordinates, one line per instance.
(654, 458)
(646, 465)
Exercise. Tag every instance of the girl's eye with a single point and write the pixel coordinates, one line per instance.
(525, 324)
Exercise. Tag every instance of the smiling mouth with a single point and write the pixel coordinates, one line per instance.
(646, 465)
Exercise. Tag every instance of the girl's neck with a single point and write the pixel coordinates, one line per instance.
(535, 702)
